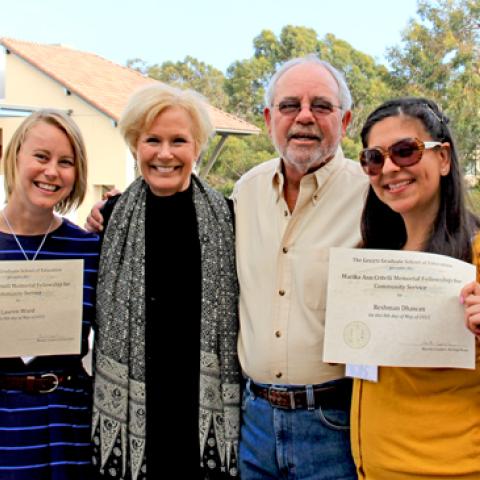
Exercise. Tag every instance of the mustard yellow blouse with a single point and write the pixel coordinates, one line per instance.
(418, 423)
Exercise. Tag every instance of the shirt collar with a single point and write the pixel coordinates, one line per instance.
(319, 177)
(278, 179)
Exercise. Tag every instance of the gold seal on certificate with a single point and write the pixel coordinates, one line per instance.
(356, 334)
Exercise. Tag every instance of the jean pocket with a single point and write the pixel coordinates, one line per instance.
(336, 419)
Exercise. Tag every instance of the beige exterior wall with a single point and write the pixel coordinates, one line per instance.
(109, 160)
(8, 126)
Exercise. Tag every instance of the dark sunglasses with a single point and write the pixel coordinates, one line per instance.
(404, 153)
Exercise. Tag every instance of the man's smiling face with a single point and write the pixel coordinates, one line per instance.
(306, 140)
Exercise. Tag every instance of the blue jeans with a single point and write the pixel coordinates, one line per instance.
(294, 444)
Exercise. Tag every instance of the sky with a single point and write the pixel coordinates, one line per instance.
(217, 32)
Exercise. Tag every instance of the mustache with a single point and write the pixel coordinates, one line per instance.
(305, 133)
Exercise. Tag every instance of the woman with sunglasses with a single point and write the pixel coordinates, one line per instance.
(417, 423)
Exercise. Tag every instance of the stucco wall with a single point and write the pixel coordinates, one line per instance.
(2, 192)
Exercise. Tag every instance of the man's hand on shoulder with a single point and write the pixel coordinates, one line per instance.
(94, 221)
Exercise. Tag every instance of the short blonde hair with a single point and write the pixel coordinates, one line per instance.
(64, 123)
(147, 103)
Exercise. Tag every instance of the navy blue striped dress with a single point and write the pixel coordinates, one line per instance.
(47, 436)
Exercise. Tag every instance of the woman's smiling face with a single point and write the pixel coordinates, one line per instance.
(45, 168)
(413, 190)
(166, 152)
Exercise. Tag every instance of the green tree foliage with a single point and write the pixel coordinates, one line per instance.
(245, 86)
(439, 57)
(247, 79)
(367, 80)
(239, 156)
(266, 45)
(189, 73)
(296, 42)
(138, 64)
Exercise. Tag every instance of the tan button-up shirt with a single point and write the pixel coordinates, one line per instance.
(282, 262)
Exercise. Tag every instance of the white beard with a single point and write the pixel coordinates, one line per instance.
(304, 159)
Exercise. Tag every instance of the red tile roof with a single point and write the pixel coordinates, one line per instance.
(102, 83)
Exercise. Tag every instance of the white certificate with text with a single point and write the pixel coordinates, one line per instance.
(396, 308)
(40, 307)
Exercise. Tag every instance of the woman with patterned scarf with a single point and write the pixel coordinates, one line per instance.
(167, 381)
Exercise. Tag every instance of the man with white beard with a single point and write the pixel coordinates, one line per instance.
(289, 211)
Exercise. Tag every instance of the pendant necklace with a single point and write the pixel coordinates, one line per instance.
(18, 241)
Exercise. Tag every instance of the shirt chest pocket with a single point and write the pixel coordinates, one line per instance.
(315, 279)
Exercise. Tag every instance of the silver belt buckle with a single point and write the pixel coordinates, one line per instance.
(55, 382)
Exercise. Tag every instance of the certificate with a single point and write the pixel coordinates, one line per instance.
(397, 308)
(40, 307)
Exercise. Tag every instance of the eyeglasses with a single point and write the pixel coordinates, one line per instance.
(404, 153)
(319, 108)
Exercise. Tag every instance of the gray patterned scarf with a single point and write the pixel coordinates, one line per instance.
(119, 396)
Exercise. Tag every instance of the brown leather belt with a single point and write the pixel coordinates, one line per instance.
(293, 398)
(46, 383)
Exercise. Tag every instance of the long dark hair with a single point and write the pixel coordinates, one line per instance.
(454, 225)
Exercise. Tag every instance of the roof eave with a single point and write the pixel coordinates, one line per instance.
(63, 83)
(237, 132)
